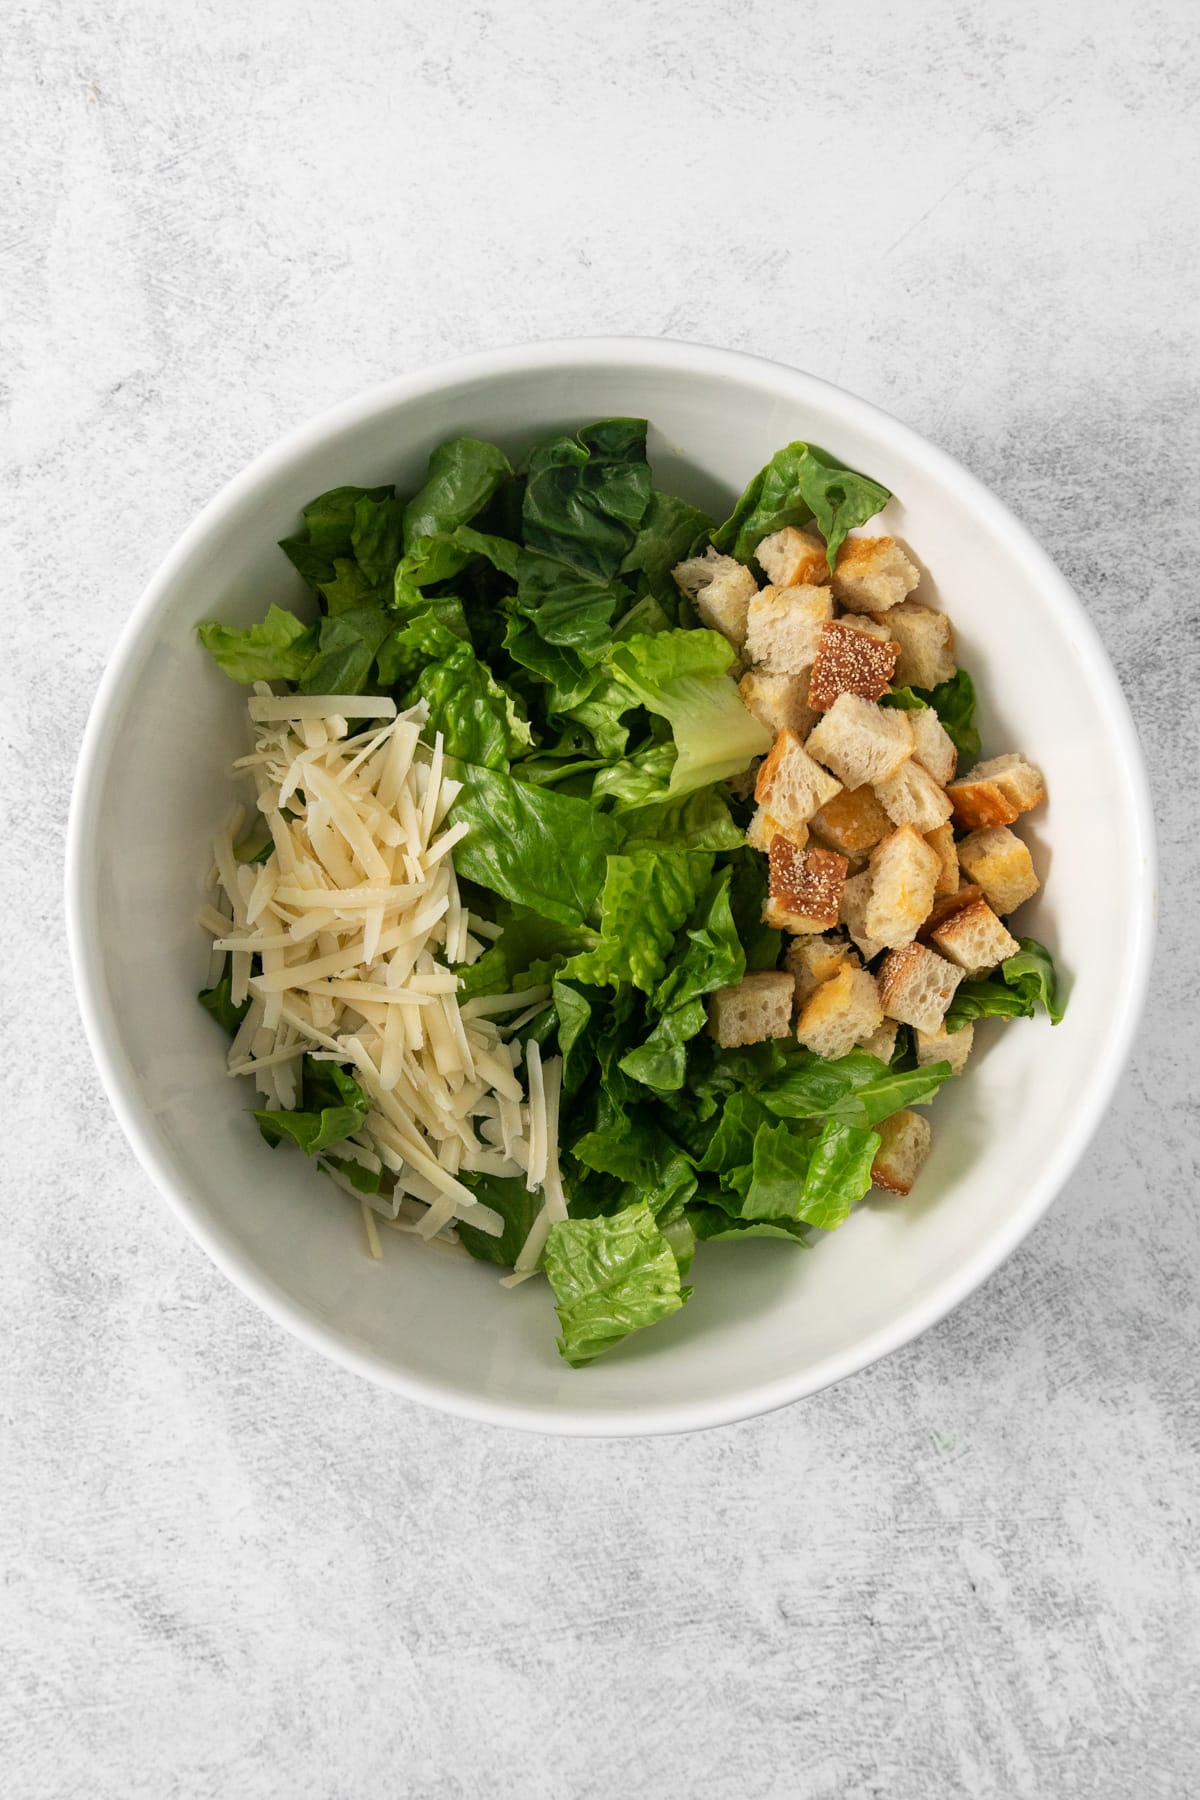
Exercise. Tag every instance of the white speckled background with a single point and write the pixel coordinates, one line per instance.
(228, 1567)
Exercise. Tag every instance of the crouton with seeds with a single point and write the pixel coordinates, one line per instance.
(862, 743)
(916, 986)
(904, 872)
(974, 938)
(790, 785)
(804, 888)
(926, 640)
(840, 1013)
(780, 702)
(793, 558)
(873, 574)
(849, 662)
(1000, 862)
(904, 1143)
(996, 792)
(783, 627)
(752, 1010)
(721, 589)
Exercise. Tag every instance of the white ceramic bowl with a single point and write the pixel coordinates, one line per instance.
(765, 1326)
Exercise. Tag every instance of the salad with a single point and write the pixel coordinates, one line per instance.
(595, 897)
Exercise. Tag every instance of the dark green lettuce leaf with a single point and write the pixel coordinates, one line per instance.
(610, 1276)
(333, 1106)
(377, 536)
(856, 1089)
(463, 475)
(700, 820)
(440, 558)
(670, 530)
(1024, 981)
(647, 896)
(707, 955)
(346, 649)
(536, 847)
(328, 532)
(712, 1224)
(748, 891)
(811, 1178)
(279, 648)
(218, 1001)
(586, 496)
(517, 1207)
(480, 720)
(798, 485)
(683, 677)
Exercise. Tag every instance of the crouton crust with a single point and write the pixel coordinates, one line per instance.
(805, 887)
(849, 662)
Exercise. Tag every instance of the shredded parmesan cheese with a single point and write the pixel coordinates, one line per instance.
(339, 939)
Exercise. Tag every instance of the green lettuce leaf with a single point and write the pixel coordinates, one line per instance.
(700, 820)
(610, 1276)
(810, 1180)
(277, 649)
(670, 530)
(798, 485)
(346, 651)
(517, 1207)
(440, 558)
(462, 477)
(854, 1090)
(712, 1224)
(683, 677)
(328, 532)
(333, 1106)
(708, 955)
(586, 496)
(646, 898)
(218, 1001)
(376, 537)
(536, 847)
(1026, 981)
(480, 720)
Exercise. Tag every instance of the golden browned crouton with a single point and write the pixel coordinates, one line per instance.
(849, 662)
(873, 574)
(804, 889)
(754, 1009)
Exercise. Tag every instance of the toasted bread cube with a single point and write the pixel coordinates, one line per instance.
(946, 905)
(862, 743)
(721, 588)
(783, 626)
(932, 745)
(882, 1043)
(780, 702)
(974, 938)
(996, 792)
(941, 840)
(754, 1009)
(791, 785)
(762, 828)
(904, 872)
(916, 986)
(1000, 862)
(812, 960)
(904, 1142)
(856, 897)
(873, 574)
(853, 821)
(840, 1013)
(868, 626)
(793, 558)
(926, 640)
(913, 797)
(804, 890)
(941, 1045)
(849, 662)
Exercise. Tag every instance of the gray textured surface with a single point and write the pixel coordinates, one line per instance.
(230, 1568)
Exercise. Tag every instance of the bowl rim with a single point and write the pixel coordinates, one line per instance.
(100, 1025)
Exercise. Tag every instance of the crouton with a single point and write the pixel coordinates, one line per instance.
(721, 589)
(996, 792)
(941, 840)
(904, 872)
(804, 891)
(997, 859)
(916, 986)
(812, 960)
(793, 558)
(780, 702)
(933, 747)
(849, 662)
(862, 743)
(791, 785)
(851, 822)
(763, 827)
(783, 626)
(913, 797)
(840, 1013)
(946, 905)
(856, 897)
(974, 938)
(926, 640)
(873, 574)
(941, 1045)
(904, 1142)
(754, 1009)
(882, 1043)
(868, 626)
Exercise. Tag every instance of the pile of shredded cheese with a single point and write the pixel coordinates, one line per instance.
(354, 916)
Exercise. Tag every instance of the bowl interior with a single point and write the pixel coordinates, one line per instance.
(764, 1324)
